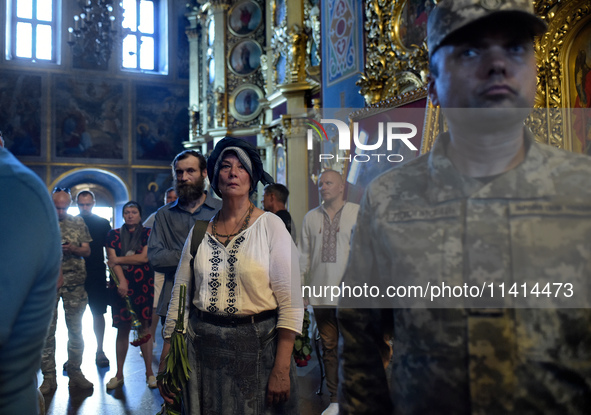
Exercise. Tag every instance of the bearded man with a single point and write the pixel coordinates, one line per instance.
(174, 220)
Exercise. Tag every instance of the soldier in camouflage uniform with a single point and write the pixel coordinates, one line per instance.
(487, 204)
(75, 246)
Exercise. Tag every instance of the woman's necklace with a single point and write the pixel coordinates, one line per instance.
(245, 217)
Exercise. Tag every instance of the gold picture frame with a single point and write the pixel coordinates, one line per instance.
(245, 102)
(396, 64)
(245, 57)
(566, 21)
(244, 18)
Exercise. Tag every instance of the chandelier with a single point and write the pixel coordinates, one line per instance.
(93, 35)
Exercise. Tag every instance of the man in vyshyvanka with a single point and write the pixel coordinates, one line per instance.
(489, 207)
(324, 249)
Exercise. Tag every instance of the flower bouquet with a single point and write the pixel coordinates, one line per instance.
(175, 376)
(301, 348)
(135, 322)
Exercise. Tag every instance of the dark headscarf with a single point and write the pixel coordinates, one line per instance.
(248, 156)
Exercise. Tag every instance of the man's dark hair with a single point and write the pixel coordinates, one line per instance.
(170, 189)
(186, 153)
(279, 190)
(85, 193)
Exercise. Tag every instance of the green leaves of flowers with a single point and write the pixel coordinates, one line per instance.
(177, 370)
(302, 349)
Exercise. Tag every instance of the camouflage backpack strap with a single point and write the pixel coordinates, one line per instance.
(198, 234)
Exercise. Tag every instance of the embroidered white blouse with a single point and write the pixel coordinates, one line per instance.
(257, 271)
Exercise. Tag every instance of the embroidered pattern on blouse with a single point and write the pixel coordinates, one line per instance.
(214, 275)
(231, 284)
(329, 237)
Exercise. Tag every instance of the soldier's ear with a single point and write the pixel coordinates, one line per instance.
(432, 90)
(432, 78)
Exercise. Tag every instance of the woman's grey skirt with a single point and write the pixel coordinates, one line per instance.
(230, 368)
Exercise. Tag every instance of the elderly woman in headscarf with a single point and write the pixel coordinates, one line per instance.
(244, 299)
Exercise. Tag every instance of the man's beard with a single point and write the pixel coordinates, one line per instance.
(189, 192)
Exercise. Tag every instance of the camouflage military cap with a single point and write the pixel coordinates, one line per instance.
(451, 15)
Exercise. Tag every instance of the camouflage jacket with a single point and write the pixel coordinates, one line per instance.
(74, 230)
(425, 223)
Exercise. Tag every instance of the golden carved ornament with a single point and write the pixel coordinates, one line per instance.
(434, 125)
(393, 102)
(296, 54)
(265, 70)
(220, 106)
(294, 125)
(266, 133)
(192, 33)
(277, 133)
(545, 8)
(279, 46)
(313, 45)
(564, 20)
(193, 5)
(220, 4)
(194, 122)
(392, 67)
(294, 45)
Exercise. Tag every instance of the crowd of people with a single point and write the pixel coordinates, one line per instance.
(487, 204)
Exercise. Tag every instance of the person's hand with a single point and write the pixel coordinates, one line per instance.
(165, 391)
(278, 388)
(113, 261)
(67, 248)
(60, 279)
(122, 288)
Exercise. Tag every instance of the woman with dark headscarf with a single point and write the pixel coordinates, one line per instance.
(245, 307)
(127, 253)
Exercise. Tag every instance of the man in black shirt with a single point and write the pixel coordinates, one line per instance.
(274, 200)
(96, 276)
